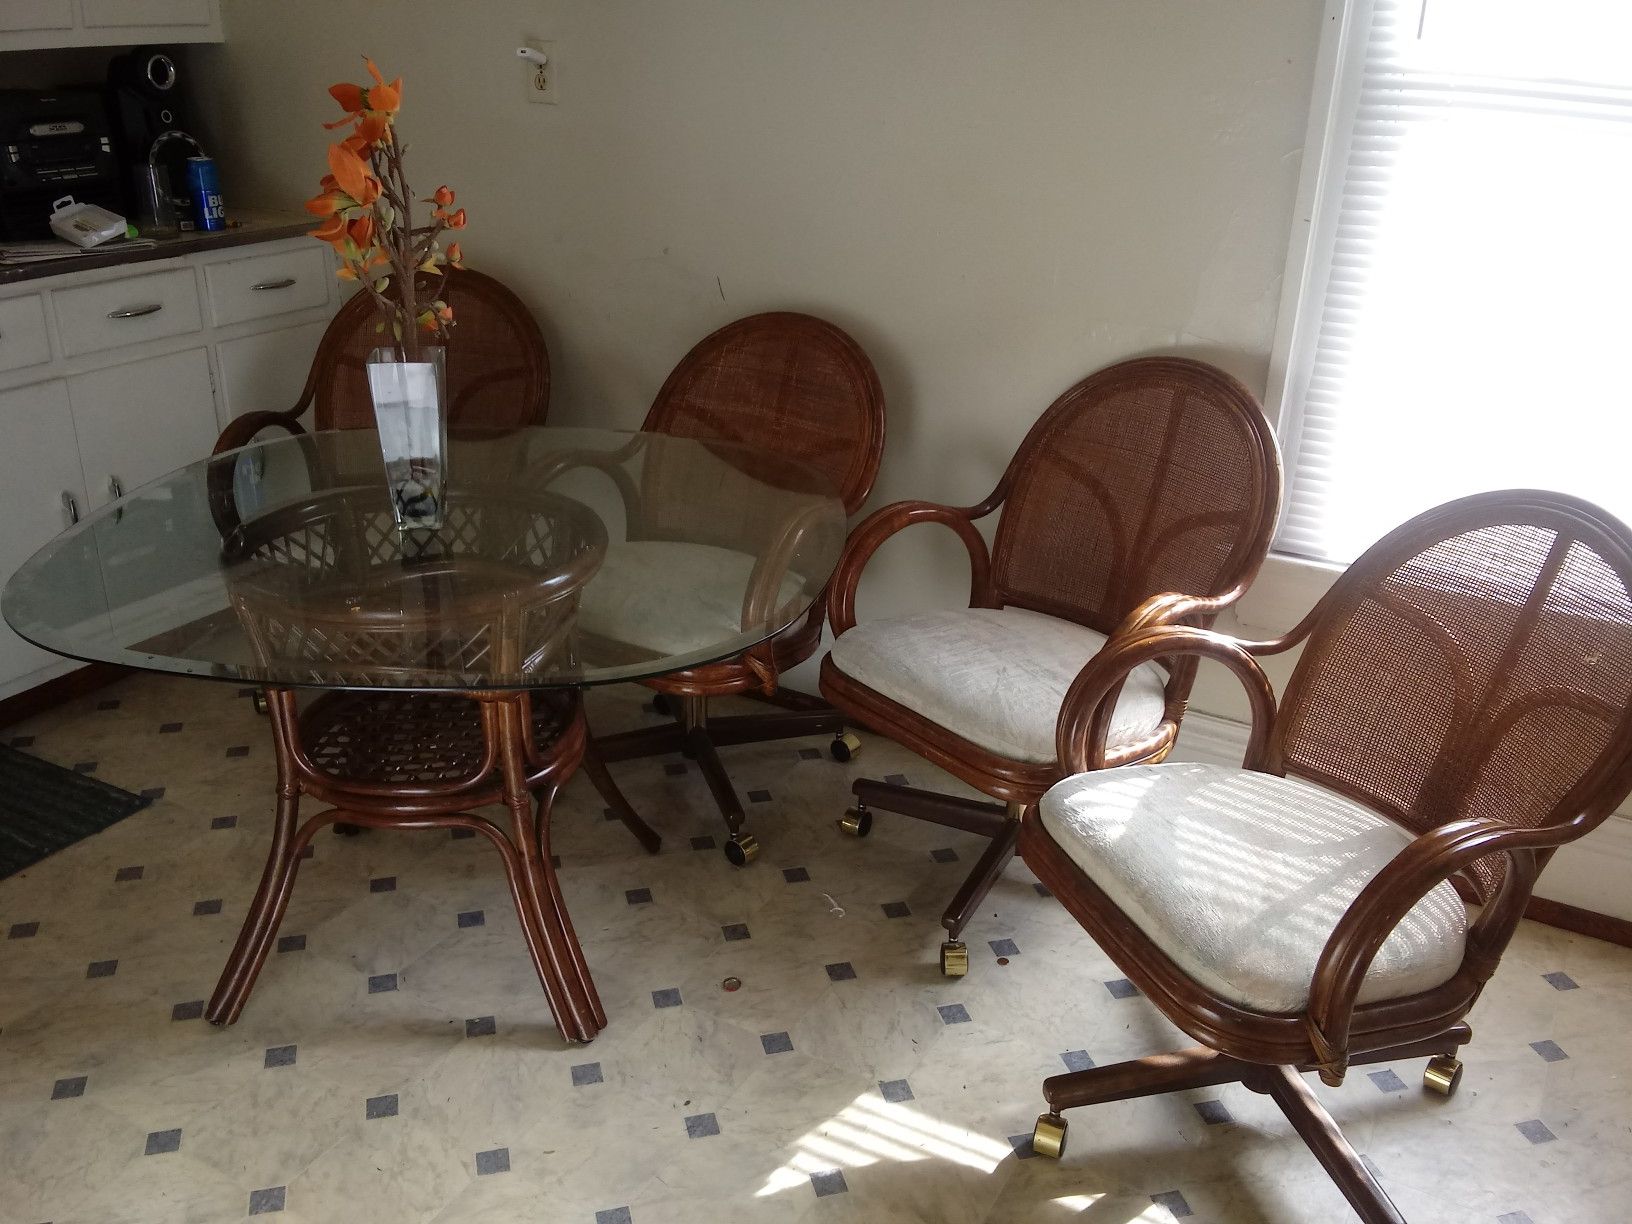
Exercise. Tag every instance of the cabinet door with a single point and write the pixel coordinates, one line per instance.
(266, 372)
(19, 15)
(103, 13)
(142, 419)
(41, 464)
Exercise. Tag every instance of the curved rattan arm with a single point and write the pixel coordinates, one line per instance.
(883, 523)
(612, 463)
(219, 484)
(1431, 859)
(1085, 715)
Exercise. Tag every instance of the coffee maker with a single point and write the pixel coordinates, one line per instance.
(148, 116)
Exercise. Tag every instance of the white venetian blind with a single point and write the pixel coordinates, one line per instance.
(1466, 322)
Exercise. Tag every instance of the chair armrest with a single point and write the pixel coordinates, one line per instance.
(1085, 715)
(611, 463)
(881, 525)
(1431, 859)
(241, 431)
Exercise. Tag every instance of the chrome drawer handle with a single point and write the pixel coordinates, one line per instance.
(70, 508)
(116, 489)
(136, 312)
(277, 284)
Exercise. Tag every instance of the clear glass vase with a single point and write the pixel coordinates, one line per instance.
(410, 409)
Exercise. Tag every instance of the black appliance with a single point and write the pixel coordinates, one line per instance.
(146, 100)
(53, 145)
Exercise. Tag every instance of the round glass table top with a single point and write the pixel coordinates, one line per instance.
(563, 557)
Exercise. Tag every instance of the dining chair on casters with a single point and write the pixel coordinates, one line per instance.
(1461, 709)
(1154, 476)
(787, 383)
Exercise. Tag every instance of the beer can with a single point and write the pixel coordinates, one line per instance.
(204, 185)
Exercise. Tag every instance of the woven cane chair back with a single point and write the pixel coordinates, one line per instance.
(787, 384)
(1476, 662)
(324, 584)
(498, 370)
(1153, 475)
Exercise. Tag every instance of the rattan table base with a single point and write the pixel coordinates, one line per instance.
(426, 761)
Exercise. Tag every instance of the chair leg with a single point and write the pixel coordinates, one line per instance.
(762, 728)
(1317, 1129)
(596, 769)
(969, 815)
(743, 847)
(954, 953)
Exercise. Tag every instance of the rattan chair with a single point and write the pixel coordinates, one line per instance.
(1153, 476)
(498, 370)
(1462, 708)
(786, 383)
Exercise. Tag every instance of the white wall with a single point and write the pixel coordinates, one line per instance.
(995, 198)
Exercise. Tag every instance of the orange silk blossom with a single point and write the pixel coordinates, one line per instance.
(367, 216)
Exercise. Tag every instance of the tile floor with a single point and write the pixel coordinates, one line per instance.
(397, 1062)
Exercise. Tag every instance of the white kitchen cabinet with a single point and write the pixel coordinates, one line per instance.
(90, 403)
(265, 371)
(137, 421)
(41, 461)
(31, 25)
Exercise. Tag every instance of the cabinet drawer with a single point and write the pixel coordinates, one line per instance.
(127, 311)
(22, 332)
(264, 285)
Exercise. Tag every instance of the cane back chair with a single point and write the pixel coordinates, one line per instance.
(1462, 708)
(1154, 476)
(329, 592)
(498, 370)
(788, 384)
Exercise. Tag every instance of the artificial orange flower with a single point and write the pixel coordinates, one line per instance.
(350, 171)
(443, 196)
(456, 220)
(332, 230)
(350, 98)
(323, 205)
(455, 255)
(361, 231)
(371, 129)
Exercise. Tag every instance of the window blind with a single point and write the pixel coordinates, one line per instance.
(1466, 314)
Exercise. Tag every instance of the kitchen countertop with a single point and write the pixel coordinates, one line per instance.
(245, 225)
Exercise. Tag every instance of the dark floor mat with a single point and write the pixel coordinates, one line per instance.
(44, 808)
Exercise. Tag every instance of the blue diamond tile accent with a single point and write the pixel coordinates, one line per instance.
(268, 1201)
(586, 1073)
(101, 969)
(895, 1091)
(704, 843)
(667, 997)
(23, 930)
(1174, 1202)
(1122, 989)
(1386, 1081)
(953, 1013)
(1536, 1131)
(1076, 1060)
(160, 1142)
(238, 750)
(153, 793)
(1559, 981)
(280, 1056)
(382, 983)
(1549, 1051)
(125, 874)
(383, 884)
(169, 728)
(1213, 1113)
(638, 896)
(190, 1010)
(775, 1043)
(828, 1181)
(1514, 1217)
(701, 1126)
(614, 1215)
(460, 834)
(495, 1161)
(472, 918)
(841, 971)
(795, 875)
(292, 943)
(380, 1107)
(481, 1026)
(64, 1089)
(735, 931)
(896, 779)
(1003, 947)
(896, 909)
(1022, 1146)
(944, 855)
(224, 822)
(203, 909)
(810, 754)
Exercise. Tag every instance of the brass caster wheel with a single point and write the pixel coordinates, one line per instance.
(742, 849)
(954, 958)
(1443, 1074)
(857, 821)
(1048, 1136)
(259, 700)
(659, 704)
(846, 746)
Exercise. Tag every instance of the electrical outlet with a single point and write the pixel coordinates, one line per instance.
(543, 81)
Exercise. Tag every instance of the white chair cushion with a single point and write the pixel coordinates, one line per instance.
(1240, 877)
(996, 677)
(671, 597)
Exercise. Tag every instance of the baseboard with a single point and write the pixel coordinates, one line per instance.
(1584, 884)
(57, 690)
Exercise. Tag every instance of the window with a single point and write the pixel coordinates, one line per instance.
(1460, 307)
